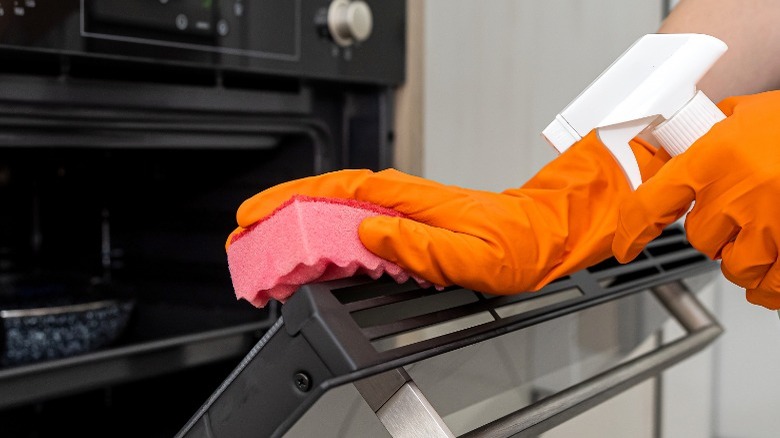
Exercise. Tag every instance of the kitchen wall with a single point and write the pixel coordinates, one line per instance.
(484, 79)
(497, 72)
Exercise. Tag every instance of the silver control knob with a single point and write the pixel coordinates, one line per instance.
(349, 21)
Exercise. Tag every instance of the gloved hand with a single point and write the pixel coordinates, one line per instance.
(733, 175)
(560, 221)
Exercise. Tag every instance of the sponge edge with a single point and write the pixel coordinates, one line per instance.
(306, 240)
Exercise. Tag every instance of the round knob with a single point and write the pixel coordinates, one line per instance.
(349, 21)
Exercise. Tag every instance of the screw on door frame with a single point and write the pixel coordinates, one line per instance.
(302, 381)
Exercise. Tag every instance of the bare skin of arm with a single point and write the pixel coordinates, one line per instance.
(750, 29)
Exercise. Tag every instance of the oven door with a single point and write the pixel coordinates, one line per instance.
(373, 358)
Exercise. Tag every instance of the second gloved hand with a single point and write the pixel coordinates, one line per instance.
(560, 221)
(733, 175)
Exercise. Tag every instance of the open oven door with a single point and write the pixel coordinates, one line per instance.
(359, 357)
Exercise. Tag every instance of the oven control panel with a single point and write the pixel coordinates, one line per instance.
(268, 28)
(336, 39)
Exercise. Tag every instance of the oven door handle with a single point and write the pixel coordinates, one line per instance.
(682, 304)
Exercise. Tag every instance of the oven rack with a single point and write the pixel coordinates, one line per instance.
(165, 338)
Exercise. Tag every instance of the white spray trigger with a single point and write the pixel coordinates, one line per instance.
(616, 138)
(651, 83)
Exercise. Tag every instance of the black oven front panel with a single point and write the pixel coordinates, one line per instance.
(352, 40)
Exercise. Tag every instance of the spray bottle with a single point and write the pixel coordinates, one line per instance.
(651, 85)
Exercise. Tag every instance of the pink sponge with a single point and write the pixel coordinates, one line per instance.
(303, 241)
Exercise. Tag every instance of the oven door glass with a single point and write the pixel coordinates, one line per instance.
(478, 384)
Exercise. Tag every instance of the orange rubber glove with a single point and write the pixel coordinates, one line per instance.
(560, 221)
(733, 175)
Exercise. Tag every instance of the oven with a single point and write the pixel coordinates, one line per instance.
(130, 131)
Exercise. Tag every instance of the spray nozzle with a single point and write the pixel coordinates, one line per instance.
(653, 83)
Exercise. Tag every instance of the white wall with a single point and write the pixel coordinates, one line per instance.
(497, 72)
